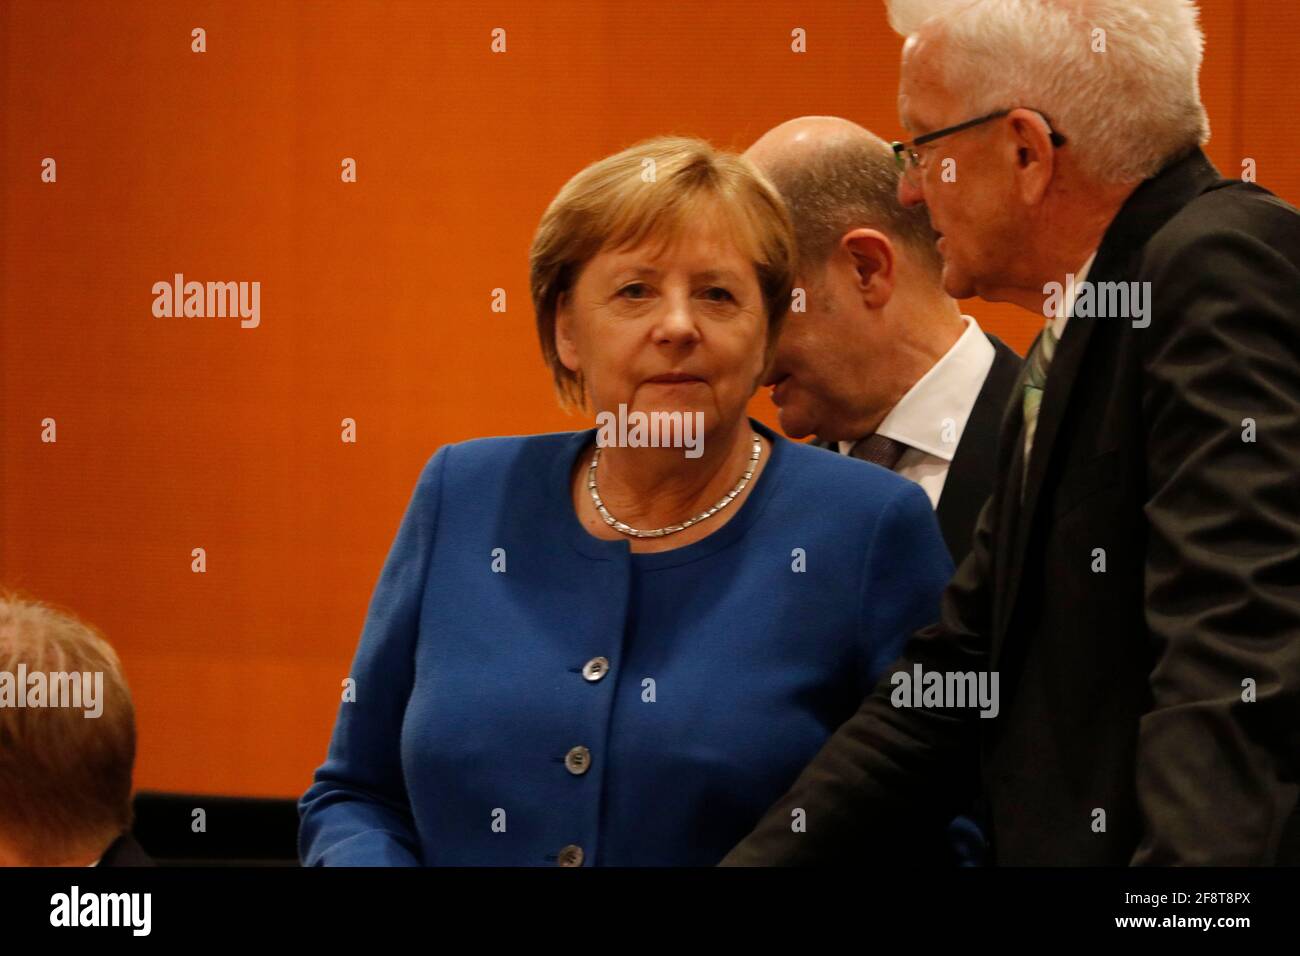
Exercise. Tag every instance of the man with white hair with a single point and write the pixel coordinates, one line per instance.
(1131, 595)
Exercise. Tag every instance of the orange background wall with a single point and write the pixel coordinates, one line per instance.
(182, 433)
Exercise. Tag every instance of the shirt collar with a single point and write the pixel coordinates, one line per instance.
(939, 402)
(1067, 304)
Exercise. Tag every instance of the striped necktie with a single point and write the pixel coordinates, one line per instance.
(1035, 381)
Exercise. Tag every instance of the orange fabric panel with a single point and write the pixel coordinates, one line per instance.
(177, 433)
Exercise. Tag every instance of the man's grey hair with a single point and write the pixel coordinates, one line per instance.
(1119, 78)
(851, 183)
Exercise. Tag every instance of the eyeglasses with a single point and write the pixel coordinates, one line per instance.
(909, 161)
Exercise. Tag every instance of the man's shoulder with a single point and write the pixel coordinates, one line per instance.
(996, 390)
(1004, 357)
(1244, 203)
(1231, 211)
(1235, 247)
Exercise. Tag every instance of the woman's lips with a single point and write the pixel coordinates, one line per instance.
(674, 378)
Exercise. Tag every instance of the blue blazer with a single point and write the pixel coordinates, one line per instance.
(482, 733)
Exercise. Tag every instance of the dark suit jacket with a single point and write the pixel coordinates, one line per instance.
(1121, 690)
(125, 851)
(974, 464)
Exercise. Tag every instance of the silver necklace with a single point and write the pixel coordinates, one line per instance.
(725, 500)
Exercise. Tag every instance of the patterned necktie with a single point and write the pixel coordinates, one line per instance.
(1035, 381)
(878, 450)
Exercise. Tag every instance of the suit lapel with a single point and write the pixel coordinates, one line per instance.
(974, 466)
(1061, 375)
(1011, 453)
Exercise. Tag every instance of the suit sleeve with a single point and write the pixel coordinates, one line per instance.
(357, 812)
(1222, 575)
(889, 773)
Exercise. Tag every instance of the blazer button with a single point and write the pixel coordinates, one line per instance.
(595, 669)
(577, 761)
(570, 856)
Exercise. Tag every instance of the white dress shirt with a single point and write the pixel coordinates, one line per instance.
(1063, 312)
(931, 416)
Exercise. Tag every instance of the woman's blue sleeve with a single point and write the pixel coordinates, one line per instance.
(907, 568)
(357, 812)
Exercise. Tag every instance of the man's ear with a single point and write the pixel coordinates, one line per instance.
(565, 346)
(873, 258)
(1035, 156)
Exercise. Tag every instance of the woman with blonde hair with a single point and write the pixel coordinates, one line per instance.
(591, 648)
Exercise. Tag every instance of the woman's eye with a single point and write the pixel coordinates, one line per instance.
(719, 294)
(636, 290)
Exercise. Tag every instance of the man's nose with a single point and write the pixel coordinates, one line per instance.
(909, 193)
